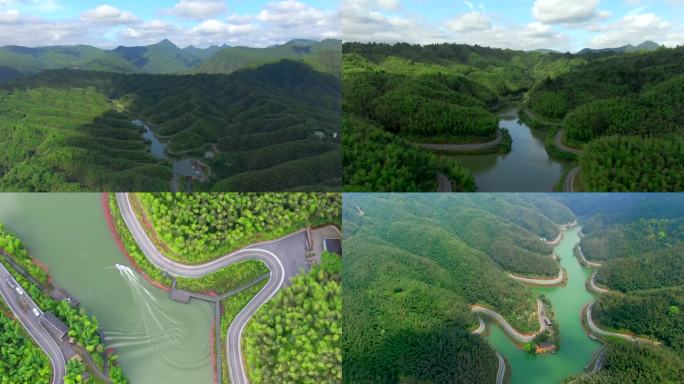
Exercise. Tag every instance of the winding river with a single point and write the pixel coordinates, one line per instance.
(157, 340)
(527, 168)
(576, 348)
(182, 167)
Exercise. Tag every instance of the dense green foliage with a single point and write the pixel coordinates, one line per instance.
(631, 363)
(165, 58)
(220, 281)
(323, 56)
(647, 313)
(21, 361)
(375, 160)
(615, 79)
(296, 336)
(72, 139)
(640, 245)
(199, 227)
(630, 239)
(12, 245)
(662, 268)
(72, 130)
(621, 164)
(82, 327)
(413, 265)
(74, 372)
(627, 105)
(629, 108)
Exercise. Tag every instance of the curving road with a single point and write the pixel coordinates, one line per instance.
(595, 329)
(501, 374)
(464, 148)
(443, 183)
(569, 181)
(283, 257)
(584, 261)
(567, 225)
(33, 327)
(481, 328)
(512, 332)
(556, 240)
(539, 281)
(563, 147)
(594, 287)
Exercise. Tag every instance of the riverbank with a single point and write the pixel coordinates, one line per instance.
(574, 348)
(527, 167)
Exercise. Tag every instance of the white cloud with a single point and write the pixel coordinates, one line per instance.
(472, 21)
(213, 27)
(9, 17)
(107, 26)
(108, 14)
(634, 28)
(565, 11)
(199, 9)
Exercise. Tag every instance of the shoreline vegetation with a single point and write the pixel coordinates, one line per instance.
(629, 132)
(84, 329)
(289, 311)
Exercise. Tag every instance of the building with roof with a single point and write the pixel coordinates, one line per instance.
(54, 325)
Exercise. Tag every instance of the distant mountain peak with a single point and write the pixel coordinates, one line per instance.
(645, 46)
(166, 42)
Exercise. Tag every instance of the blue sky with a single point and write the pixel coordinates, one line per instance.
(564, 25)
(186, 22)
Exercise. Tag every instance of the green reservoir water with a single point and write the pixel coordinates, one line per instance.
(527, 168)
(158, 341)
(576, 348)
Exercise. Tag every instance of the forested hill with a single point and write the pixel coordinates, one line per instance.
(639, 240)
(623, 107)
(396, 95)
(628, 112)
(324, 56)
(419, 260)
(275, 127)
(164, 58)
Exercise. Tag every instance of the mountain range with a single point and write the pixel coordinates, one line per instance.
(165, 58)
(646, 46)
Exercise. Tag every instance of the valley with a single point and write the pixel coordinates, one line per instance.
(269, 122)
(463, 288)
(607, 120)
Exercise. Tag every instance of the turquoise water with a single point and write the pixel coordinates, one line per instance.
(157, 340)
(576, 348)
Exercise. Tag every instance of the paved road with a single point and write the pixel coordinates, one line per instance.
(461, 148)
(594, 287)
(33, 327)
(556, 240)
(284, 259)
(537, 281)
(563, 147)
(569, 181)
(501, 374)
(600, 359)
(567, 225)
(443, 183)
(512, 332)
(584, 261)
(481, 328)
(594, 328)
